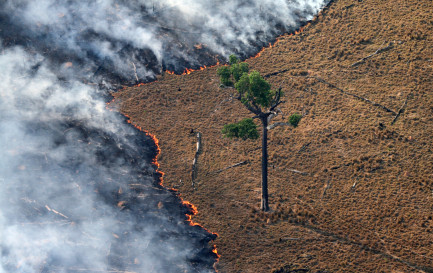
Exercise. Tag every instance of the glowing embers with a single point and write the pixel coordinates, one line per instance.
(296, 32)
(188, 71)
(215, 251)
(193, 211)
(154, 139)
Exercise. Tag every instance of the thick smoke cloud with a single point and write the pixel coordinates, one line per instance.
(133, 40)
(78, 192)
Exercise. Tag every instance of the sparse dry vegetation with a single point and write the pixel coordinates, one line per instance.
(363, 200)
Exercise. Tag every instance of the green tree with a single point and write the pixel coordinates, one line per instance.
(225, 74)
(237, 69)
(256, 95)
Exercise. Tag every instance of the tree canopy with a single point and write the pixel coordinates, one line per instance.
(244, 129)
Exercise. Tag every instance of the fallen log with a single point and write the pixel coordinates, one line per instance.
(298, 172)
(288, 239)
(304, 147)
(56, 212)
(354, 95)
(234, 165)
(400, 111)
(381, 49)
(194, 162)
(337, 88)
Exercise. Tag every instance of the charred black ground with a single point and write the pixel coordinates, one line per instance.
(138, 200)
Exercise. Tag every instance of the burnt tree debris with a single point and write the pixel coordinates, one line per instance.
(128, 192)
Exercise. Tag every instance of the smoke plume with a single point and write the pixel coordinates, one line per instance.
(133, 40)
(78, 190)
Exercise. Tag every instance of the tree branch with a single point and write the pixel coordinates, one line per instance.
(258, 109)
(274, 114)
(276, 104)
(276, 101)
(252, 109)
(272, 126)
(400, 111)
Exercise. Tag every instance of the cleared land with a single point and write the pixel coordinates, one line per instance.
(365, 202)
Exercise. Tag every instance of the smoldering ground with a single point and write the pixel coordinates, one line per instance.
(78, 191)
(130, 41)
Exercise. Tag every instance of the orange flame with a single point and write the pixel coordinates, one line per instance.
(215, 251)
(296, 32)
(188, 71)
(191, 206)
(107, 105)
(193, 209)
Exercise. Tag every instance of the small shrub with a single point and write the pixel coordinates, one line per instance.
(244, 129)
(294, 119)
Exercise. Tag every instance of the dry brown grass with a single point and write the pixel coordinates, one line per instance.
(385, 223)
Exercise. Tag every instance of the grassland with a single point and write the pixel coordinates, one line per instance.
(364, 202)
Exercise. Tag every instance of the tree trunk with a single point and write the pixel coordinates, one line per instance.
(264, 206)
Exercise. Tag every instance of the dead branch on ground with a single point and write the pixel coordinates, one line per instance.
(380, 50)
(337, 88)
(400, 111)
(327, 186)
(354, 185)
(234, 165)
(354, 95)
(298, 172)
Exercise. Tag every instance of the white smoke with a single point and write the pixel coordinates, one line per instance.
(67, 164)
(135, 39)
(52, 178)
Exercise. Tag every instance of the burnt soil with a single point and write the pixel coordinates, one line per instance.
(364, 202)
